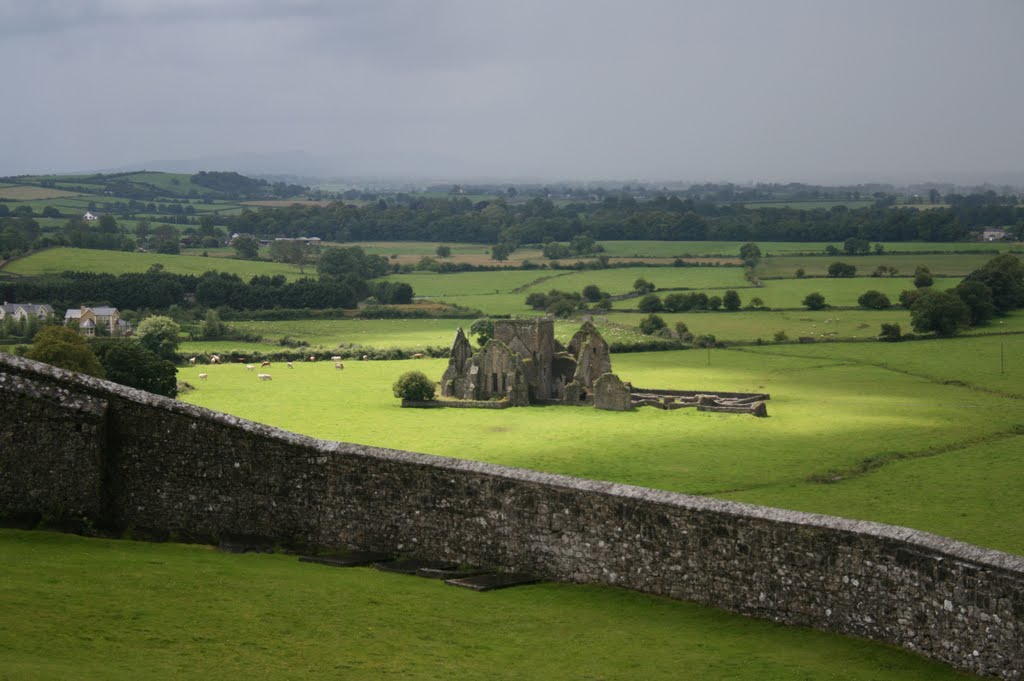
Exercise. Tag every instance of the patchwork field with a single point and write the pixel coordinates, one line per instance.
(102, 609)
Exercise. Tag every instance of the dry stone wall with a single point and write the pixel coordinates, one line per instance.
(74, 447)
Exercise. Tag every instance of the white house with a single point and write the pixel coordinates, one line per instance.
(993, 234)
(89, 217)
(91, 318)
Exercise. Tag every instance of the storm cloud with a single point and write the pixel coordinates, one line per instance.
(692, 91)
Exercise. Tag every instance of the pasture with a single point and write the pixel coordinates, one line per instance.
(940, 264)
(55, 260)
(838, 291)
(103, 609)
(828, 416)
(29, 193)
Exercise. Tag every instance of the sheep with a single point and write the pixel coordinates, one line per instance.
(202, 377)
(264, 377)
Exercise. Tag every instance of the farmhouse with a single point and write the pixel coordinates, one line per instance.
(89, 319)
(993, 234)
(89, 217)
(22, 311)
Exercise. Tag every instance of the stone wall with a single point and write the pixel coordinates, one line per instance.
(76, 446)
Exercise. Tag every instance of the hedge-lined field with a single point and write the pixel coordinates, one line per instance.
(828, 413)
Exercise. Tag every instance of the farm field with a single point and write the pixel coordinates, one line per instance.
(673, 249)
(838, 291)
(940, 264)
(72, 607)
(14, 192)
(56, 260)
(827, 414)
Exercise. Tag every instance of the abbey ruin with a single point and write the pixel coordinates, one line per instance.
(525, 364)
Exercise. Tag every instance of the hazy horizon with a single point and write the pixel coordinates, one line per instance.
(791, 91)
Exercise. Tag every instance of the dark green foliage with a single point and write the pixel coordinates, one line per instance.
(413, 385)
(683, 332)
(643, 286)
(815, 301)
(841, 269)
(800, 273)
(714, 302)
(339, 263)
(650, 303)
(651, 324)
(391, 292)
(891, 333)
(592, 293)
(910, 296)
(855, 246)
(750, 254)
(63, 347)
(978, 299)
(874, 300)
(923, 277)
(1004, 275)
(706, 340)
(129, 363)
(731, 301)
(939, 312)
(483, 329)
(443, 251)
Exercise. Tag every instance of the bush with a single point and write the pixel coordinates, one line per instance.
(413, 385)
(874, 300)
(841, 269)
(650, 303)
(815, 301)
(780, 337)
(706, 341)
(890, 333)
(651, 323)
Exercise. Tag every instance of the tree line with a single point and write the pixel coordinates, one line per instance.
(666, 218)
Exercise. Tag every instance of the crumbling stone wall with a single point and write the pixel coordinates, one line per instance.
(133, 460)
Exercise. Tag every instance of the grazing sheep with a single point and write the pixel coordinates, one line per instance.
(336, 358)
(192, 361)
(264, 364)
(249, 367)
(202, 377)
(339, 365)
(290, 365)
(418, 355)
(264, 377)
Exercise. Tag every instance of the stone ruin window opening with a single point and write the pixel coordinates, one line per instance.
(494, 382)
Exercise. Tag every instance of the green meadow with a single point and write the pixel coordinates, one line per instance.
(829, 415)
(56, 260)
(74, 608)
(940, 264)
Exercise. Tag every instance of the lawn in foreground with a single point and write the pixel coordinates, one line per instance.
(826, 414)
(102, 609)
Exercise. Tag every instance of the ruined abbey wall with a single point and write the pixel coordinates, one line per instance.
(74, 447)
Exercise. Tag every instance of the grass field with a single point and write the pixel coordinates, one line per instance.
(55, 260)
(104, 609)
(947, 264)
(29, 193)
(838, 291)
(828, 413)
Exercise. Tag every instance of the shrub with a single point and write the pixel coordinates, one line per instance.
(650, 303)
(890, 333)
(413, 385)
(705, 341)
(841, 269)
(923, 277)
(781, 337)
(815, 301)
(874, 300)
(651, 323)
(731, 300)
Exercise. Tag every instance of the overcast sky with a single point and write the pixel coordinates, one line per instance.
(781, 90)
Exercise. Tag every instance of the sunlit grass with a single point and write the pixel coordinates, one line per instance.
(74, 608)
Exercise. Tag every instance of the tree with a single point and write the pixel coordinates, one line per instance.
(891, 333)
(683, 331)
(978, 299)
(643, 286)
(501, 252)
(874, 300)
(714, 302)
(159, 335)
(841, 269)
(814, 301)
(750, 254)
(247, 247)
(415, 386)
(651, 324)
(537, 300)
(910, 296)
(127, 362)
(165, 239)
(483, 329)
(1004, 275)
(212, 327)
(731, 301)
(650, 303)
(939, 312)
(855, 246)
(592, 293)
(800, 273)
(292, 251)
(65, 348)
(923, 277)
(443, 251)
